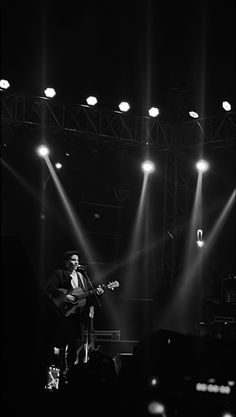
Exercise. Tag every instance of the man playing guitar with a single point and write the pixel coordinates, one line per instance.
(72, 291)
(74, 294)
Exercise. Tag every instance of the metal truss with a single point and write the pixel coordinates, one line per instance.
(215, 131)
(116, 127)
(77, 119)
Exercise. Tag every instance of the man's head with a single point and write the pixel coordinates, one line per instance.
(71, 259)
(69, 253)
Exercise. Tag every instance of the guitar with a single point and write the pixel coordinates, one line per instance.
(68, 307)
(90, 347)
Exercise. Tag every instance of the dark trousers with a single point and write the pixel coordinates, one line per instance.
(73, 352)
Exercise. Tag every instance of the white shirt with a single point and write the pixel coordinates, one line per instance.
(75, 279)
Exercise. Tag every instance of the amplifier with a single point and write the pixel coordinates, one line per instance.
(221, 328)
(103, 335)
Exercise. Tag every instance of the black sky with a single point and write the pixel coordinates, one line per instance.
(115, 50)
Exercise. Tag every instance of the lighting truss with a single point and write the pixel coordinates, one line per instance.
(78, 119)
(116, 127)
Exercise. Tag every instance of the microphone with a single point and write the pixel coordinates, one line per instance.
(83, 267)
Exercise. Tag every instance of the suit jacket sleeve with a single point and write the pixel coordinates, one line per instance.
(58, 280)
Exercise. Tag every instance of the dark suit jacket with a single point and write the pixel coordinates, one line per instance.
(61, 279)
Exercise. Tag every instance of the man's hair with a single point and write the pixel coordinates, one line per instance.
(69, 253)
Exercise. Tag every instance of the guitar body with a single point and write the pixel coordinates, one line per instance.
(80, 301)
(68, 307)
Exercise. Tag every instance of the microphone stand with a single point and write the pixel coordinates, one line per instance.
(98, 303)
(91, 285)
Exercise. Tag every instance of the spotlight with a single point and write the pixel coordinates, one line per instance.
(91, 100)
(157, 408)
(49, 92)
(200, 241)
(43, 150)
(124, 106)
(226, 105)
(202, 166)
(148, 167)
(154, 381)
(193, 114)
(58, 165)
(153, 112)
(4, 84)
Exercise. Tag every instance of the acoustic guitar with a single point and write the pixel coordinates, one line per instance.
(90, 340)
(68, 307)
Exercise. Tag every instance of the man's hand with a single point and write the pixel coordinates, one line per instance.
(70, 297)
(100, 290)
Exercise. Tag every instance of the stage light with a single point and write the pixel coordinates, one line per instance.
(157, 408)
(199, 234)
(154, 381)
(91, 100)
(193, 114)
(153, 112)
(49, 92)
(212, 388)
(200, 241)
(202, 166)
(4, 84)
(43, 150)
(124, 106)
(148, 167)
(58, 165)
(226, 105)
